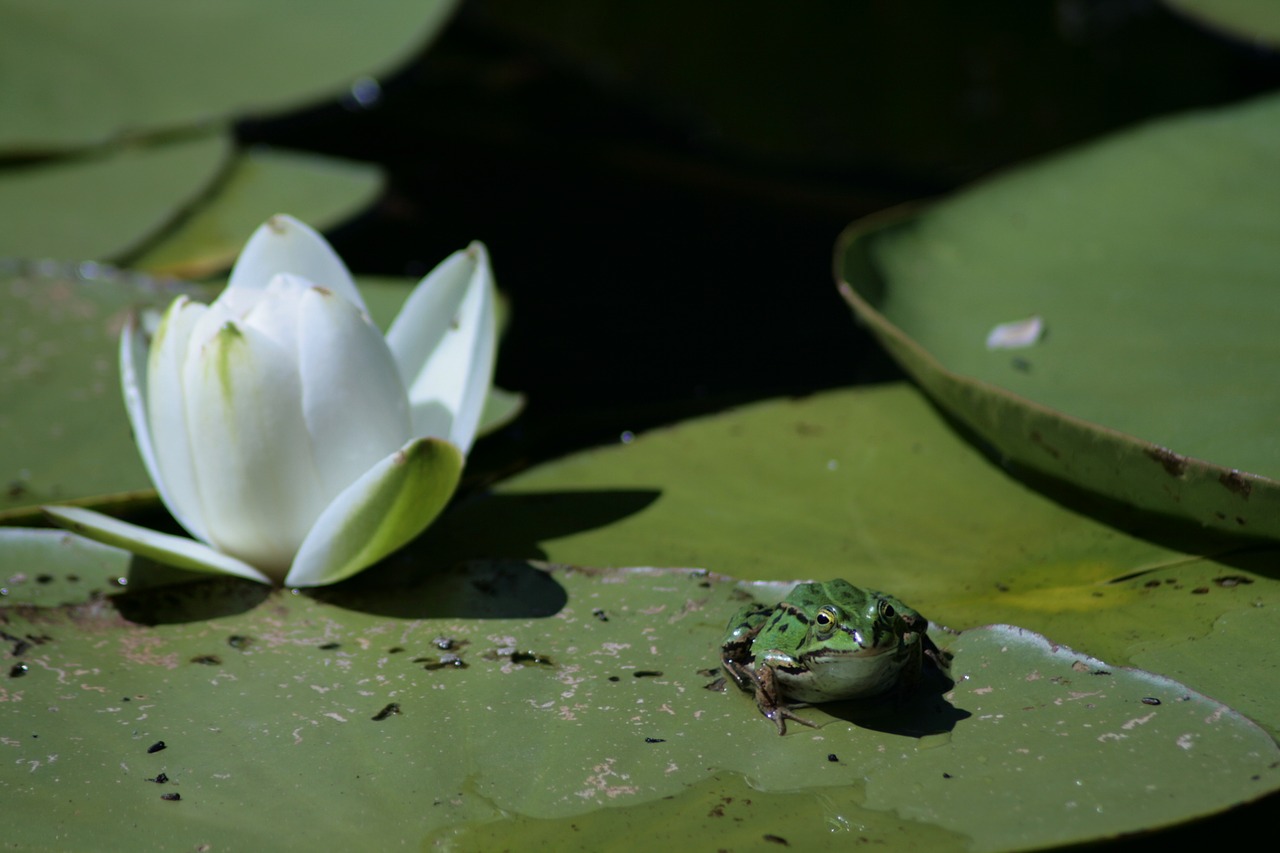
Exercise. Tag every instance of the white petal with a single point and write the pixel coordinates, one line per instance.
(353, 401)
(285, 245)
(448, 391)
(154, 398)
(253, 459)
(380, 512)
(161, 547)
(427, 314)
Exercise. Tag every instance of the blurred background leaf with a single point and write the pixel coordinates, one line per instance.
(101, 206)
(78, 75)
(1250, 20)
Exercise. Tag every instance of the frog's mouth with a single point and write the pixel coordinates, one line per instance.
(861, 653)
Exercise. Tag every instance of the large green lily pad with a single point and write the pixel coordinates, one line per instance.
(1153, 261)
(102, 206)
(284, 720)
(75, 74)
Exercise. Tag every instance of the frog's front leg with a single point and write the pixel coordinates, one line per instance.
(769, 700)
(735, 652)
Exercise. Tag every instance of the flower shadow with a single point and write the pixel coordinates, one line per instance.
(474, 562)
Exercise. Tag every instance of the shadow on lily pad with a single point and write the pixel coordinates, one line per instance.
(161, 595)
(476, 589)
(472, 562)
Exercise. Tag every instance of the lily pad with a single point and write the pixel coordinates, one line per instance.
(66, 433)
(102, 206)
(873, 485)
(1149, 262)
(321, 191)
(79, 74)
(292, 719)
(1250, 20)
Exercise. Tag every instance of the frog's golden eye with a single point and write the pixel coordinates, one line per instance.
(826, 619)
(886, 611)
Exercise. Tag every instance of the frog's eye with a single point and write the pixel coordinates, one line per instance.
(826, 619)
(886, 611)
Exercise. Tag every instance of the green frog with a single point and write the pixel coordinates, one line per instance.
(823, 642)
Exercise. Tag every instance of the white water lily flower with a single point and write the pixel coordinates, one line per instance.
(284, 432)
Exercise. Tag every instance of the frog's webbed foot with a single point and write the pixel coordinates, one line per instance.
(770, 703)
(781, 713)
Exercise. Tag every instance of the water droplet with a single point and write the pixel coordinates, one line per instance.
(365, 94)
(627, 436)
(832, 464)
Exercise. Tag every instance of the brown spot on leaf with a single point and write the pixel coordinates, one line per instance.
(1235, 482)
(1173, 464)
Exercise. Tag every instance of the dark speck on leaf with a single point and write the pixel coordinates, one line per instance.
(1151, 584)
(238, 641)
(449, 661)
(946, 775)
(1232, 580)
(171, 797)
(614, 678)
(207, 660)
(20, 648)
(832, 757)
(1021, 364)
(391, 709)
(1200, 590)
(516, 656)
(1150, 700)
(655, 740)
(159, 780)
(395, 650)
(330, 646)
(44, 578)
(777, 839)
(156, 747)
(647, 673)
(600, 614)
(18, 670)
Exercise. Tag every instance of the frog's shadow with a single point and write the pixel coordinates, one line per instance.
(922, 711)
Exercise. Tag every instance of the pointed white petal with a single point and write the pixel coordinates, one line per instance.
(353, 402)
(427, 314)
(161, 547)
(153, 396)
(285, 245)
(253, 458)
(448, 392)
(391, 504)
